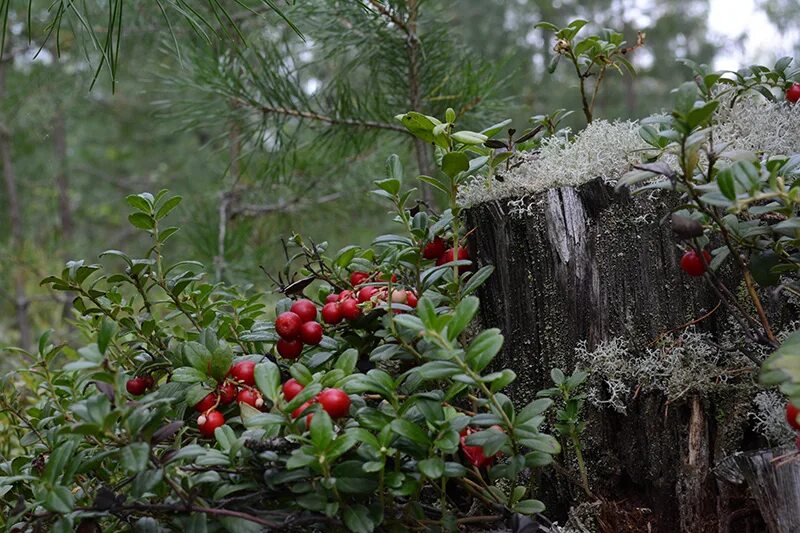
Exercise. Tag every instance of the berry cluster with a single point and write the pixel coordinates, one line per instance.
(140, 384)
(347, 305)
(239, 386)
(443, 253)
(335, 402)
(297, 327)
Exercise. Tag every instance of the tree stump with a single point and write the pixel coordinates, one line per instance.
(773, 476)
(589, 264)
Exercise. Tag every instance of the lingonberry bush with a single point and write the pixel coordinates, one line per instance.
(367, 404)
(740, 208)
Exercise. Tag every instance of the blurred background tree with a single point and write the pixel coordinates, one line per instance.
(266, 128)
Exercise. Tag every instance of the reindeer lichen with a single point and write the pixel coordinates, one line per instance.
(770, 418)
(687, 362)
(609, 149)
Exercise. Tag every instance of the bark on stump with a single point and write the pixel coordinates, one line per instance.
(773, 476)
(589, 264)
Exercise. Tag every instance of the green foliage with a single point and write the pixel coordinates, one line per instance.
(568, 422)
(746, 201)
(422, 391)
(591, 57)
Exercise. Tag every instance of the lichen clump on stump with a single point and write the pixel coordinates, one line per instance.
(610, 149)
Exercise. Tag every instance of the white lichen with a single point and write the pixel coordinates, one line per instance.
(609, 149)
(755, 124)
(687, 362)
(604, 149)
(770, 418)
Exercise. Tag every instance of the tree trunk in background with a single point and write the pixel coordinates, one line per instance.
(62, 173)
(62, 185)
(590, 264)
(20, 298)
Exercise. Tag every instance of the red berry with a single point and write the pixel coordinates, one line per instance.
(149, 382)
(213, 420)
(473, 453)
(792, 413)
(335, 402)
(692, 264)
(227, 392)
(208, 402)
(305, 309)
(449, 255)
(290, 349)
(344, 295)
(411, 298)
(349, 309)
(311, 333)
(357, 278)
(332, 297)
(288, 325)
(244, 371)
(366, 293)
(399, 297)
(793, 93)
(385, 277)
(291, 389)
(434, 249)
(331, 313)
(300, 410)
(250, 397)
(136, 386)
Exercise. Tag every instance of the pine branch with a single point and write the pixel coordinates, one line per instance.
(310, 115)
(288, 206)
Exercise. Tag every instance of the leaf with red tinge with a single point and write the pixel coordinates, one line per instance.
(166, 432)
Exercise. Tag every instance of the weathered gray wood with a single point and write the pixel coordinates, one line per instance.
(589, 263)
(775, 484)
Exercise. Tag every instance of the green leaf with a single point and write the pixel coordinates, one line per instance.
(529, 507)
(411, 431)
(542, 443)
(462, 316)
(134, 456)
(455, 162)
(392, 186)
(761, 267)
(437, 370)
(106, 333)
(357, 519)
(268, 379)
(141, 220)
(394, 168)
(469, 137)
(419, 125)
(701, 115)
(484, 348)
(197, 356)
(432, 468)
(534, 408)
(726, 184)
(221, 360)
(321, 431)
(187, 374)
(168, 206)
(783, 366)
(59, 500)
(347, 361)
(140, 202)
(58, 461)
(477, 279)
